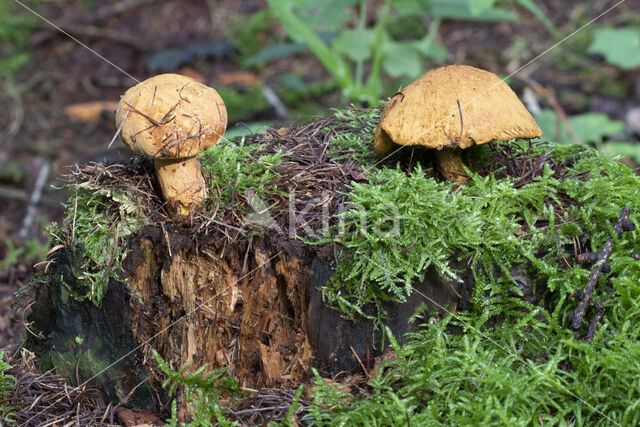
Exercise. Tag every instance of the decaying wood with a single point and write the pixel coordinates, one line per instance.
(223, 289)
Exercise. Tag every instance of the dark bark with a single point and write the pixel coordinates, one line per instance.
(253, 306)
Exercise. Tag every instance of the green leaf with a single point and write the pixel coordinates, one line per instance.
(476, 7)
(299, 31)
(402, 59)
(411, 7)
(588, 127)
(625, 149)
(325, 15)
(431, 49)
(553, 129)
(357, 44)
(593, 127)
(619, 46)
(460, 9)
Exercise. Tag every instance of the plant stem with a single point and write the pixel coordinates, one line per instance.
(361, 26)
(301, 32)
(373, 86)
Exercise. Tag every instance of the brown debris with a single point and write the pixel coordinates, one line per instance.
(46, 399)
(576, 316)
(139, 418)
(90, 111)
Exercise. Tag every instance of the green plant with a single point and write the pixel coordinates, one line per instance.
(236, 168)
(31, 251)
(588, 127)
(95, 222)
(528, 370)
(403, 223)
(356, 143)
(504, 360)
(354, 46)
(14, 33)
(7, 385)
(619, 46)
(203, 391)
(346, 51)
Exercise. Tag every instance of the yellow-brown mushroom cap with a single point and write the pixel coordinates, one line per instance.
(426, 111)
(170, 116)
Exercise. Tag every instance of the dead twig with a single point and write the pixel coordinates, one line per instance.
(623, 224)
(553, 101)
(43, 174)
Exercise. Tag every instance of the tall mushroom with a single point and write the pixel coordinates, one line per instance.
(171, 118)
(452, 108)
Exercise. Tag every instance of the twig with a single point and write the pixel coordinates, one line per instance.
(359, 361)
(553, 101)
(119, 128)
(34, 199)
(275, 102)
(596, 319)
(623, 224)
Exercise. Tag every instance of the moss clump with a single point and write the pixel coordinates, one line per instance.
(7, 387)
(352, 137)
(235, 168)
(96, 221)
(403, 223)
(510, 358)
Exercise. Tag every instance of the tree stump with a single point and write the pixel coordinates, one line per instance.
(253, 308)
(214, 291)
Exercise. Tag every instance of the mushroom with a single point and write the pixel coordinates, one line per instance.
(171, 118)
(452, 108)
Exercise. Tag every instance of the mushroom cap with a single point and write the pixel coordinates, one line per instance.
(170, 116)
(426, 111)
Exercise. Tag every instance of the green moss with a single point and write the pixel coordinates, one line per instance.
(504, 360)
(353, 137)
(243, 104)
(7, 387)
(202, 390)
(468, 368)
(403, 223)
(96, 222)
(235, 168)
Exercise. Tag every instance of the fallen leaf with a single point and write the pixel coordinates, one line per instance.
(193, 73)
(389, 354)
(237, 79)
(138, 418)
(90, 111)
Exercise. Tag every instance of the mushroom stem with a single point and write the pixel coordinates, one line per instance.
(182, 184)
(448, 161)
(382, 144)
